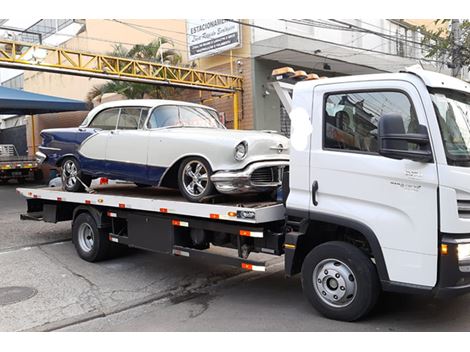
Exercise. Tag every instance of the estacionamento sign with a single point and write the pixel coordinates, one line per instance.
(208, 37)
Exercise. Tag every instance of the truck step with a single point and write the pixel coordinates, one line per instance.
(220, 259)
(35, 216)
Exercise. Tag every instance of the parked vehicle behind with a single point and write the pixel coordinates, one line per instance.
(16, 167)
(166, 144)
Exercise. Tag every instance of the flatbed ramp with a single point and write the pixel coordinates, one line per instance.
(243, 209)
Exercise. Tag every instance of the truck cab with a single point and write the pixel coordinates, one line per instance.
(385, 166)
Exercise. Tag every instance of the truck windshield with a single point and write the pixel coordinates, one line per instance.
(453, 114)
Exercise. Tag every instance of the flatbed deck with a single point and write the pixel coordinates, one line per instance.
(254, 209)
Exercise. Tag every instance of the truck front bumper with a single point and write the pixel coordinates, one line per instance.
(260, 176)
(454, 266)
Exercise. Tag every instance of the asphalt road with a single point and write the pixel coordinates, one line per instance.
(143, 291)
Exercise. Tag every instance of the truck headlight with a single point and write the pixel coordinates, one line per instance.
(463, 252)
(241, 150)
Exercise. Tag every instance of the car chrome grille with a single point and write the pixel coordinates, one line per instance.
(266, 175)
(463, 208)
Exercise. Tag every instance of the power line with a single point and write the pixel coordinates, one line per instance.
(336, 57)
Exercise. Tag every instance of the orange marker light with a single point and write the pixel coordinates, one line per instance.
(247, 266)
(232, 213)
(444, 249)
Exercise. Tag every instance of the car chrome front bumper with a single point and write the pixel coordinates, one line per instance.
(260, 176)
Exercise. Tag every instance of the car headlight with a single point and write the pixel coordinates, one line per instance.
(463, 252)
(241, 150)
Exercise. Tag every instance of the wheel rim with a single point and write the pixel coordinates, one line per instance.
(69, 173)
(86, 237)
(195, 178)
(335, 283)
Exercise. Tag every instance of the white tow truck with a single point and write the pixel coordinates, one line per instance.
(377, 196)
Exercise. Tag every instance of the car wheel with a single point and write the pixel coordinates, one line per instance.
(194, 179)
(340, 281)
(71, 173)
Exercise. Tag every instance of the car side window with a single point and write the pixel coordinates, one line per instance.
(130, 118)
(164, 116)
(351, 119)
(197, 117)
(106, 119)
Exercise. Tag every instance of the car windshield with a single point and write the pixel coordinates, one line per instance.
(453, 114)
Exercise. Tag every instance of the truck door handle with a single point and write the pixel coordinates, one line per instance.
(314, 192)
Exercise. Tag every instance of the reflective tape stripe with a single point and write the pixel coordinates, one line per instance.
(214, 216)
(113, 239)
(112, 215)
(181, 253)
(253, 267)
(251, 234)
(163, 210)
(180, 223)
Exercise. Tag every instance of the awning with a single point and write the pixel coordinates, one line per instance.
(19, 102)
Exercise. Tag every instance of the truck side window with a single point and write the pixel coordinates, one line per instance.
(105, 120)
(351, 119)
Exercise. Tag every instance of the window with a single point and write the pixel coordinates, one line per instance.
(105, 120)
(132, 118)
(351, 119)
(164, 116)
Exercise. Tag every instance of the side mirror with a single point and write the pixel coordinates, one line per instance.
(393, 140)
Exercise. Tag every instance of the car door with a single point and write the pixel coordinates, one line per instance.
(93, 149)
(163, 148)
(126, 150)
(396, 199)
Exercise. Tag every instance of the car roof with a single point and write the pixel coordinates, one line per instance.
(147, 103)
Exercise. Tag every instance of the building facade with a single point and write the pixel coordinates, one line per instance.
(326, 47)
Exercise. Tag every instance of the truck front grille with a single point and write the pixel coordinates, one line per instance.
(463, 208)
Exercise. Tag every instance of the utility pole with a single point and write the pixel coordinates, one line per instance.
(455, 36)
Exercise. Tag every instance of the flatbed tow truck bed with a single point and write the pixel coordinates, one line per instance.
(160, 220)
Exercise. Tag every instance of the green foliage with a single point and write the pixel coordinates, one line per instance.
(441, 44)
(155, 51)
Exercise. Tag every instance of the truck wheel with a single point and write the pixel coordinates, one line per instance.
(194, 179)
(70, 173)
(340, 281)
(91, 243)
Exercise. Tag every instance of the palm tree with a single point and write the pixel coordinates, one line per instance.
(153, 51)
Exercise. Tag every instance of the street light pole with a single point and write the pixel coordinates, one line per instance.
(455, 36)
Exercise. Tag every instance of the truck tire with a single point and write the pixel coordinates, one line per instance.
(71, 173)
(91, 243)
(340, 281)
(194, 179)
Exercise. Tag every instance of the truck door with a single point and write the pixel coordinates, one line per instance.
(396, 199)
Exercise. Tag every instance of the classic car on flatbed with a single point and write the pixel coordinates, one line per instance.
(165, 143)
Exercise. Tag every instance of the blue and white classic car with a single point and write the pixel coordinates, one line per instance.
(166, 144)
